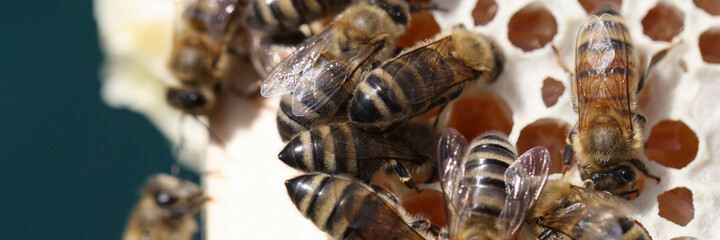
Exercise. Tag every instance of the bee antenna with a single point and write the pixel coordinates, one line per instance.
(214, 136)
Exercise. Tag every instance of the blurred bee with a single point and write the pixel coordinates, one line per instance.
(347, 209)
(571, 212)
(276, 16)
(427, 75)
(268, 51)
(488, 193)
(608, 135)
(323, 71)
(361, 151)
(208, 38)
(166, 210)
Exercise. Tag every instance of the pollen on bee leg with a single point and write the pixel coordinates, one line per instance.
(663, 22)
(709, 43)
(532, 27)
(547, 132)
(484, 11)
(672, 144)
(676, 205)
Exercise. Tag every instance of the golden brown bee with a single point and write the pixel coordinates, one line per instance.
(361, 151)
(427, 75)
(608, 135)
(208, 38)
(165, 210)
(347, 209)
(488, 190)
(570, 212)
(323, 71)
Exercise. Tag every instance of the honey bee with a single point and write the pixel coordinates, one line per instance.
(488, 193)
(166, 210)
(268, 51)
(207, 35)
(425, 76)
(322, 68)
(608, 135)
(362, 151)
(275, 16)
(566, 211)
(347, 209)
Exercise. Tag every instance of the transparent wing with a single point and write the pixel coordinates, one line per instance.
(525, 179)
(322, 82)
(595, 218)
(370, 217)
(604, 71)
(300, 64)
(439, 73)
(210, 17)
(361, 144)
(451, 150)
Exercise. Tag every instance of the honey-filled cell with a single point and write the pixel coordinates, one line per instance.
(672, 144)
(551, 90)
(676, 206)
(428, 203)
(422, 26)
(532, 27)
(710, 6)
(484, 11)
(479, 113)
(709, 44)
(663, 22)
(549, 133)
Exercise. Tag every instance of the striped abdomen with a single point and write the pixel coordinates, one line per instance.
(274, 15)
(484, 183)
(606, 72)
(393, 90)
(346, 209)
(289, 125)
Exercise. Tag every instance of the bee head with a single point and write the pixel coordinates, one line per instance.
(620, 181)
(399, 11)
(189, 101)
(176, 197)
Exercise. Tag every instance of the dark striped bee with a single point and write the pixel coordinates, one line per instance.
(566, 211)
(488, 193)
(323, 71)
(276, 16)
(428, 75)
(608, 136)
(361, 151)
(166, 210)
(347, 209)
(208, 38)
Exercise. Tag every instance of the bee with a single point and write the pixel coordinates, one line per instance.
(268, 51)
(609, 133)
(208, 38)
(566, 211)
(326, 67)
(361, 151)
(425, 76)
(276, 16)
(488, 190)
(166, 210)
(347, 209)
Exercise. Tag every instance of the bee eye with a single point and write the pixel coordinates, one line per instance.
(163, 199)
(398, 15)
(625, 175)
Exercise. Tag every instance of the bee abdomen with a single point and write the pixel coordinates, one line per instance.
(315, 150)
(288, 124)
(289, 14)
(317, 197)
(631, 231)
(485, 163)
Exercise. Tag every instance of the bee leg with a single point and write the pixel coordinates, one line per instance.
(379, 190)
(559, 60)
(437, 117)
(568, 153)
(426, 224)
(641, 166)
(654, 60)
(546, 234)
(404, 174)
(636, 192)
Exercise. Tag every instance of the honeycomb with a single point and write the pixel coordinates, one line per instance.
(530, 101)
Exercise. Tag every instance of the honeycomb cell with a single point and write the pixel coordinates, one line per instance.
(479, 113)
(484, 11)
(663, 22)
(591, 6)
(532, 27)
(710, 45)
(710, 6)
(422, 26)
(550, 133)
(428, 204)
(551, 90)
(684, 238)
(677, 206)
(672, 144)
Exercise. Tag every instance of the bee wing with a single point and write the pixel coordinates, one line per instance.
(296, 67)
(525, 179)
(210, 17)
(451, 149)
(324, 81)
(604, 72)
(355, 142)
(442, 75)
(373, 218)
(596, 221)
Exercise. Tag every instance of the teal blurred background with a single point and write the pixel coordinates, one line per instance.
(72, 166)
